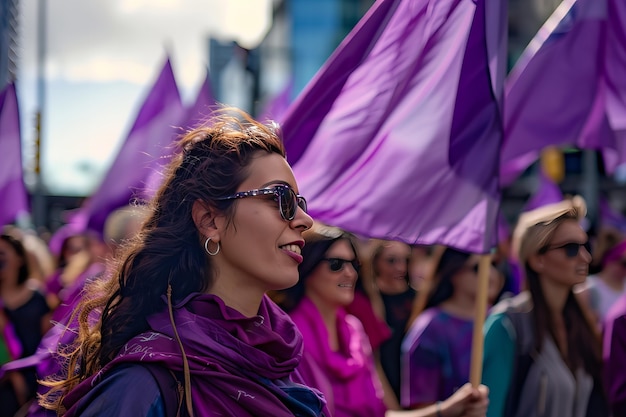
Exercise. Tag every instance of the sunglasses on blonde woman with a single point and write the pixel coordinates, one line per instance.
(288, 200)
(571, 249)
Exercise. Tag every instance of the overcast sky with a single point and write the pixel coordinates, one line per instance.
(101, 59)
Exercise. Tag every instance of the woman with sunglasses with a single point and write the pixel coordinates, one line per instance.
(542, 356)
(337, 358)
(185, 313)
(436, 350)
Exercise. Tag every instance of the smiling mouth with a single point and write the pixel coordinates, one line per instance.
(292, 248)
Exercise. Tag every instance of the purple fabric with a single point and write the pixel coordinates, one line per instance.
(610, 217)
(63, 233)
(194, 115)
(436, 354)
(568, 87)
(547, 192)
(278, 106)
(397, 136)
(614, 67)
(235, 361)
(347, 371)
(145, 144)
(614, 355)
(13, 194)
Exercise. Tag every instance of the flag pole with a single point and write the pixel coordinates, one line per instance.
(476, 364)
(39, 210)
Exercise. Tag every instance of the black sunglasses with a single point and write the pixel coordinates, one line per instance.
(571, 249)
(288, 200)
(336, 264)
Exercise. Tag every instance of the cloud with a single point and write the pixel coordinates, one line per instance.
(102, 56)
(124, 40)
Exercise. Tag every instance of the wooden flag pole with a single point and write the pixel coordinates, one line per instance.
(476, 364)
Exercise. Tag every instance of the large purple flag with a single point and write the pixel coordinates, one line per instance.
(398, 135)
(568, 86)
(196, 114)
(547, 192)
(13, 194)
(154, 129)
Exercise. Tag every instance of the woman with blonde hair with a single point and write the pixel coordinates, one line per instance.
(542, 356)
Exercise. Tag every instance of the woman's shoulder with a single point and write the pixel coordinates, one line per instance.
(127, 389)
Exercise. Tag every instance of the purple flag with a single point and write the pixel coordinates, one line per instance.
(278, 106)
(199, 111)
(615, 67)
(13, 194)
(610, 217)
(547, 192)
(568, 86)
(154, 129)
(397, 136)
(202, 108)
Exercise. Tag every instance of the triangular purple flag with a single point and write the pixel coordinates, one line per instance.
(198, 113)
(563, 89)
(13, 194)
(397, 136)
(547, 192)
(202, 107)
(154, 129)
(277, 107)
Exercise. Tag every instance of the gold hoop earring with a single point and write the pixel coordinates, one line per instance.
(206, 247)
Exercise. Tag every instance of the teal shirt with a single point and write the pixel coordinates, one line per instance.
(498, 361)
(5, 356)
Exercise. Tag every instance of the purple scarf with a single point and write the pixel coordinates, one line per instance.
(239, 366)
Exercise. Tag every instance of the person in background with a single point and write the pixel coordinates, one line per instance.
(390, 269)
(420, 266)
(368, 307)
(614, 356)
(338, 358)
(436, 350)
(70, 245)
(542, 354)
(24, 318)
(188, 294)
(602, 289)
(121, 225)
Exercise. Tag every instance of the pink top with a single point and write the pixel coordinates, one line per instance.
(347, 377)
(376, 328)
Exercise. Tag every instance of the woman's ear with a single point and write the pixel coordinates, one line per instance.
(536, 262)
(204, 217)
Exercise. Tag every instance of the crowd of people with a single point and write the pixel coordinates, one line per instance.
(222, 296)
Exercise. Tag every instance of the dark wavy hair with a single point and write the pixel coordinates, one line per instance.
(317, 242)
(23, 273)
(450, 262)
(211, 162)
